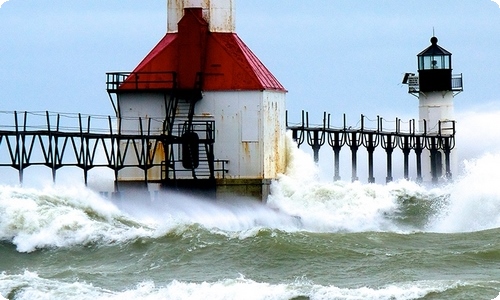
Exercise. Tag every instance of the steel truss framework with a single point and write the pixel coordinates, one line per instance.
(23, 145)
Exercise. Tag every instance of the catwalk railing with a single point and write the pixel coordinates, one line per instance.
(57, 140)
(440, 139)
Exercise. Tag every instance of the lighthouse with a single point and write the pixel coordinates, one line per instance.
(435, 87)
(218, 112)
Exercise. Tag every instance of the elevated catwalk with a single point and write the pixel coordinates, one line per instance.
(439, 142)
(91, 142)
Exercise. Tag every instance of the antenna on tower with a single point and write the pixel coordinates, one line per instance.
(433, 33)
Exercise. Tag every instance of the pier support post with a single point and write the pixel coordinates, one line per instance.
(316, 140)
(353, 143)
(418, 152)
(298, 136)
(435, 157)
(447, 153)
(405, 147)
(336, 140)
(370, 143)
(388, 143)
(336, 162)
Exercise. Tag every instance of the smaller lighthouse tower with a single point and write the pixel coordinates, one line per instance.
(435, 87)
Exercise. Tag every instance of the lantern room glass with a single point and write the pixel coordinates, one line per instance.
(433, 62)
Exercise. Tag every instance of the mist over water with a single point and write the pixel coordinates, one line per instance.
(474, 202)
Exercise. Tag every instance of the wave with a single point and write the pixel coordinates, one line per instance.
(69, 216)
(64, 216)
(59, 216)
(399, 206)
(30, 286)
(471, 203)
(474, 201)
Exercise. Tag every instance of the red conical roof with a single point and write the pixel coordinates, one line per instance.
(223, 60)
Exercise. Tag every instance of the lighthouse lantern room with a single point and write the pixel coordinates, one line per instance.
(434, 68)
(218, 111)
(435, 86)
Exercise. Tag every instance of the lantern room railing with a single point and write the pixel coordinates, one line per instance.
(457, 83)
(140, 80)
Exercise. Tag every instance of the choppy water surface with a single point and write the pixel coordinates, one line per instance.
(312, 240)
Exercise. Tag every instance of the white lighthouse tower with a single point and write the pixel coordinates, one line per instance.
(219, 110)
(435, 86)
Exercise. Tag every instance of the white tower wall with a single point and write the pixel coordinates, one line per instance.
(146, 111)
(218, 13)
(433, 108)
(250, 131)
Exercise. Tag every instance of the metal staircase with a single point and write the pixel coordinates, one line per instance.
(191, 141)
(187, 141)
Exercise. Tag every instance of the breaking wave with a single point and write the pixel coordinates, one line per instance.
(62, 216)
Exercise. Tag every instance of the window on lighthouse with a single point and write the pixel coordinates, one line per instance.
(431, 62)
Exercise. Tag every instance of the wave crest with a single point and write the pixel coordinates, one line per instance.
(61, 217)
(29, 285)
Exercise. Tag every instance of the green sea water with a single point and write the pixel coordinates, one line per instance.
(278, 264)
(311, 240)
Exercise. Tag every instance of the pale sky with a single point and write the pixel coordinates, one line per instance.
(340, 56)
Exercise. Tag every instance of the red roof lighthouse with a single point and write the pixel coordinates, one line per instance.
(201, 71)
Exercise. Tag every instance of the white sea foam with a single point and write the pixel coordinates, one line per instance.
(472, 201)
(60, 217)
(300, 201)
(337, 206)
(474, 198)
(68, 216)
(30, 286)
